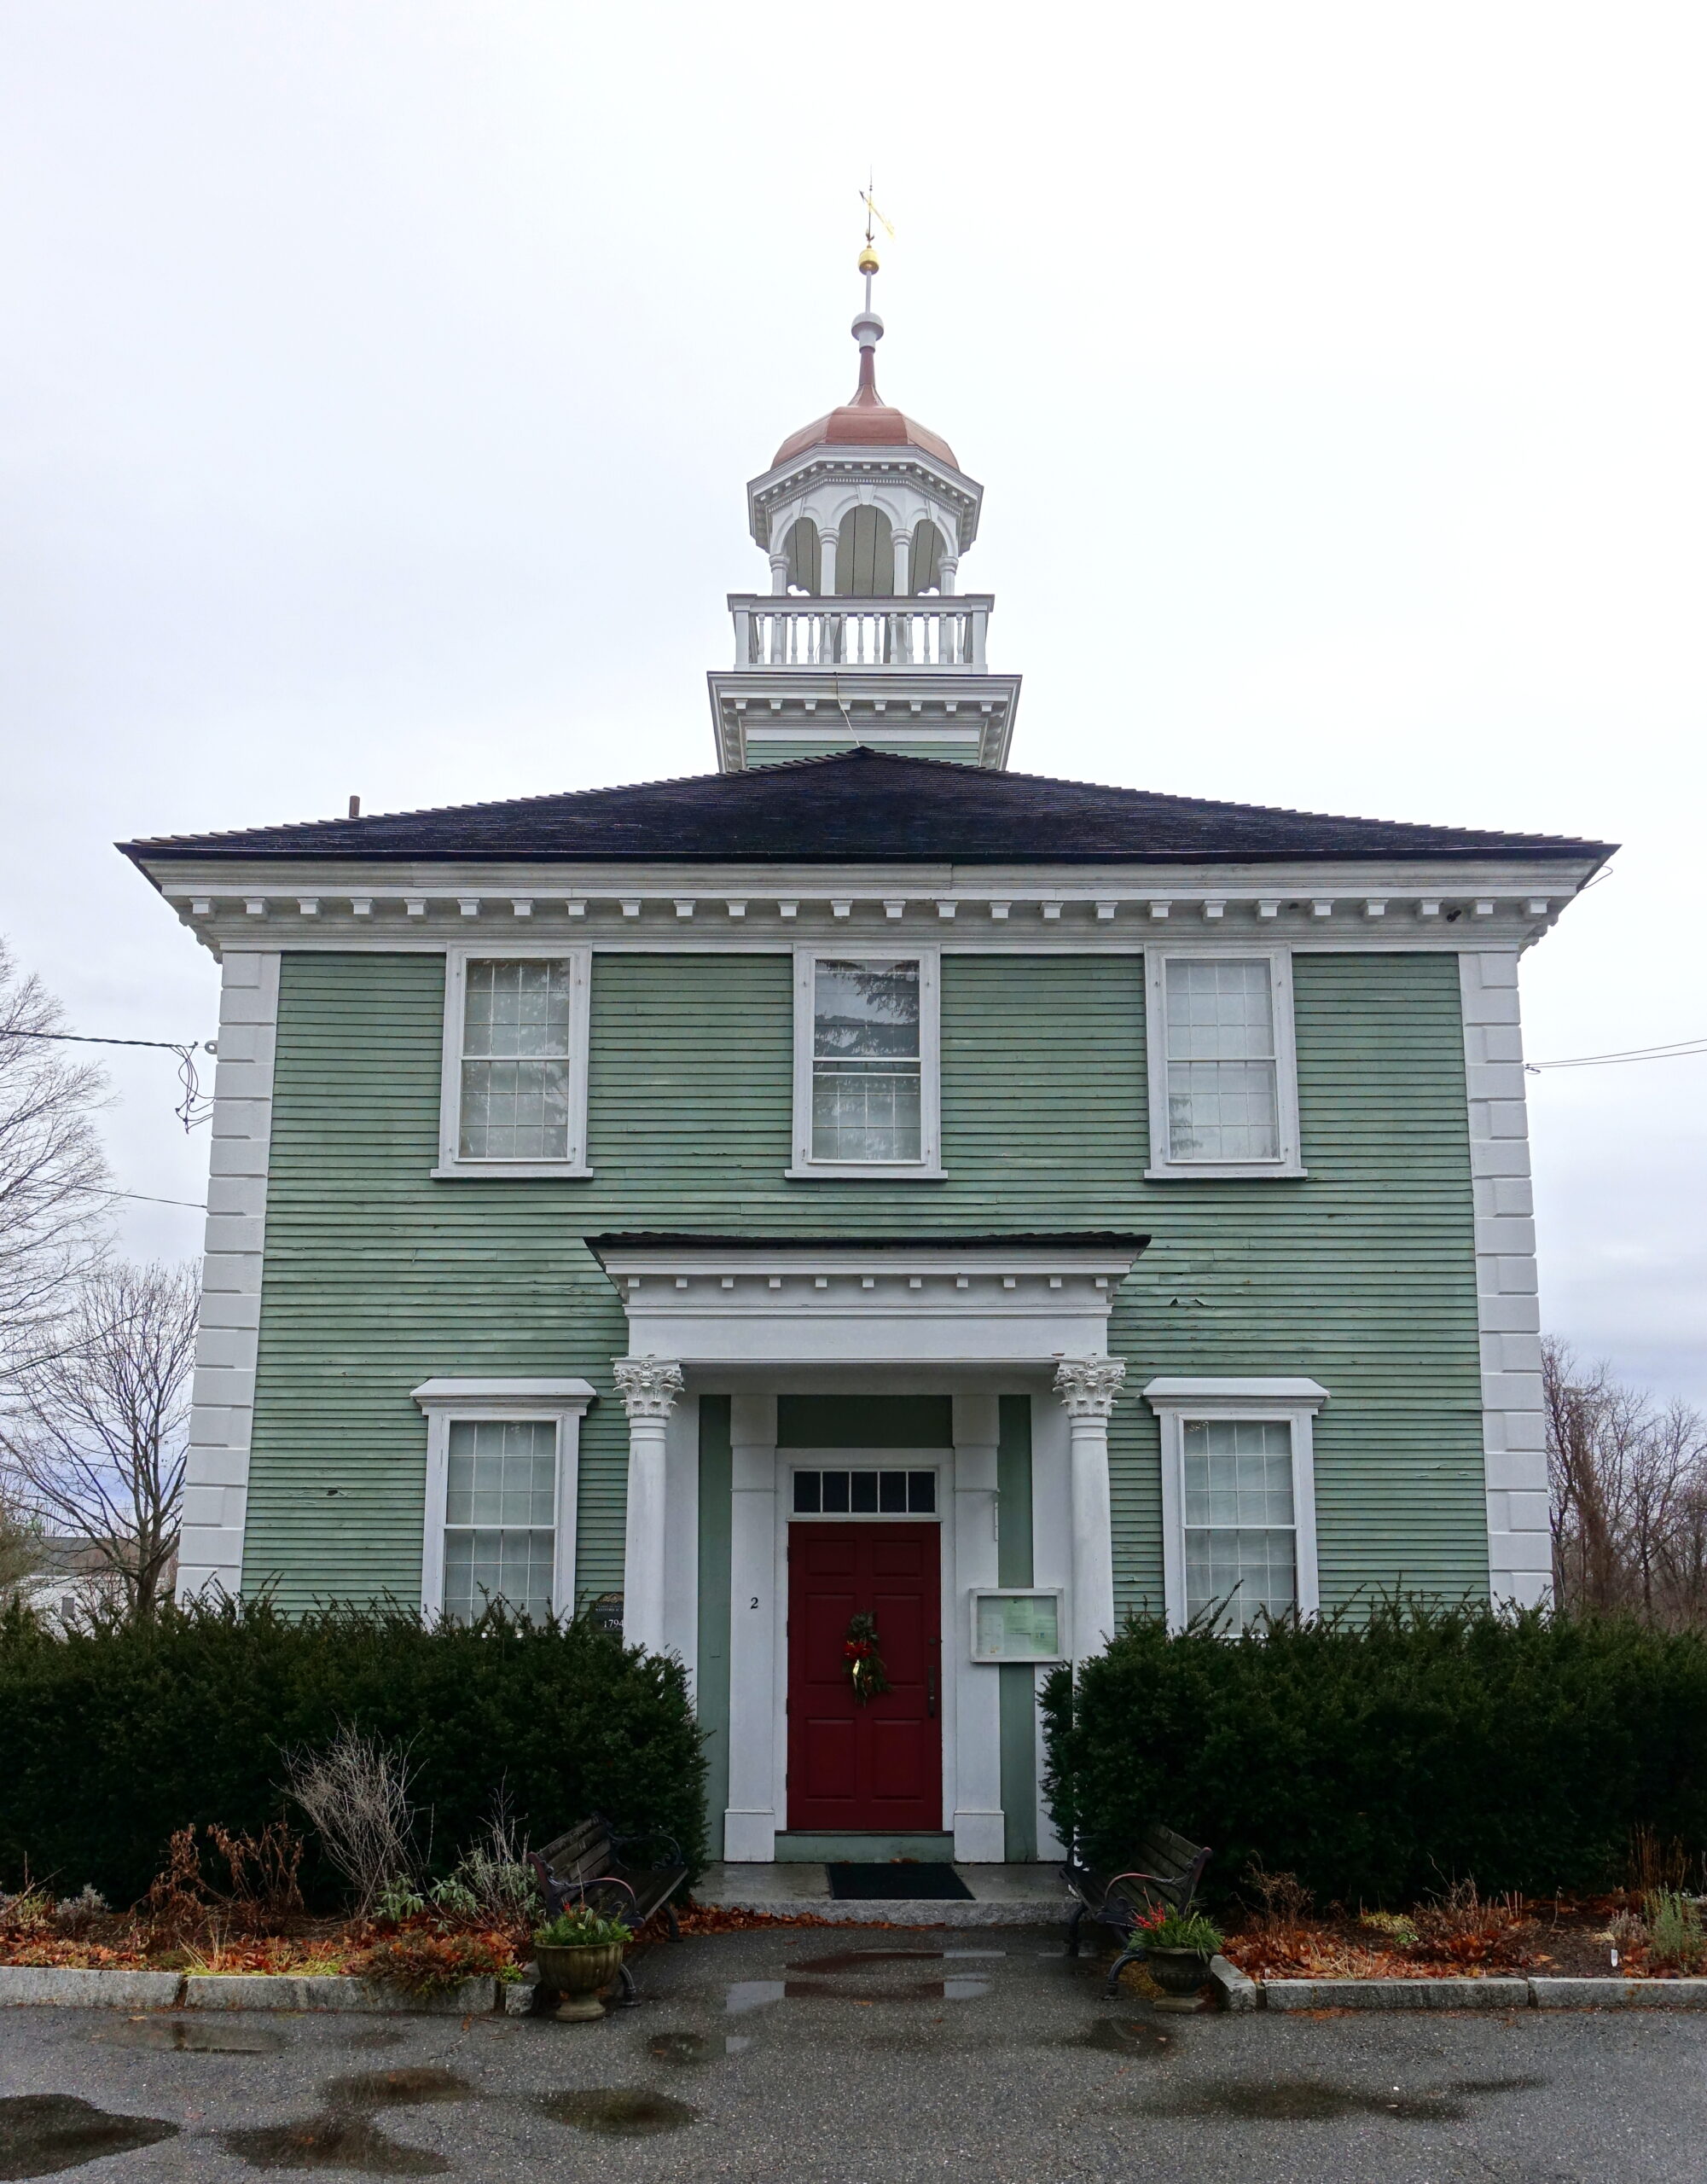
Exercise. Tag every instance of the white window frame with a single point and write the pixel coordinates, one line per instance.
(1178, 1403)
(505, 1403)
(929, 1165)
(1163, 1167)
(452, 1163)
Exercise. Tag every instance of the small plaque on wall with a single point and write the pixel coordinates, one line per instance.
(1017, 1624)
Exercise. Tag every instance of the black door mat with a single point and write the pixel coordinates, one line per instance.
(904, 1882)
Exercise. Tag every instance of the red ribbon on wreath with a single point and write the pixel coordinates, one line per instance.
(865, 1671)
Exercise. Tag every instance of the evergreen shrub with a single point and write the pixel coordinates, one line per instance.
(1382, 1756)
(114, 1737)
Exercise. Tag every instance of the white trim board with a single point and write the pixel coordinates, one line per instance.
(1508, 1302)
(222, 1402)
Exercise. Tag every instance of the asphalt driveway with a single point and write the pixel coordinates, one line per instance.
(857, 2057)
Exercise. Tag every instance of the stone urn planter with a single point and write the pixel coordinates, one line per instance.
(576, 1975)
(1179, 1973)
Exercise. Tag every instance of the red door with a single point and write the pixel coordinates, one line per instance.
(878, 1765)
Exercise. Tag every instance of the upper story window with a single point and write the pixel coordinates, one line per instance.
(1223, 1095)
(514, 1094)
(866, 1049)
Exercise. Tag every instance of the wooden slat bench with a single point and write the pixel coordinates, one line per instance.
(588, 1865)
(1166, 1869)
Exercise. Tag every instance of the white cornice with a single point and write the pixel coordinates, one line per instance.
(1401, 907)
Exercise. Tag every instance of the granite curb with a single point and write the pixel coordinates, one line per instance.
(1395, 1993)
(1619, 1994)
(289, 1990)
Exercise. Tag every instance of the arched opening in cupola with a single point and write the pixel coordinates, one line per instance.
(865, 555)
(806, 562)
(925, 571)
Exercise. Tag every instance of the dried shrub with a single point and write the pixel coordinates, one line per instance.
(1656, 1864)
(356, 1794)
(265, 1891)
(1466, 1927)
(422, 1962)
(494, 1874)
(76, 1915)
(178, 1899)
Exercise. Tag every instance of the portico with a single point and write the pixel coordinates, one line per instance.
(977, 1338)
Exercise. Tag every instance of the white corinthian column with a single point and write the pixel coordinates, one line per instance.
(648, 1387)
(1088, 1386)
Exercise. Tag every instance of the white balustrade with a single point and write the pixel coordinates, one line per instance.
(843, 633)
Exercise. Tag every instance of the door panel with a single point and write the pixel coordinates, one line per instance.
(879, 1765)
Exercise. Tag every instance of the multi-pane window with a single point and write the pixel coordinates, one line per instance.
(867, 1062)
(865, 1493)
(500, 1517)
(1223, 1087)
(1240, 1520)
(517, 1020)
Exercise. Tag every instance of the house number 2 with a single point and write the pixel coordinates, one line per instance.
(753, 1602)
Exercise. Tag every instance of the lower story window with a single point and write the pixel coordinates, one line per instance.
(500, 1518)
(1241, 1532)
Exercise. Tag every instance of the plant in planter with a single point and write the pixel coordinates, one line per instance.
(1177, 1947)
(577, 1954)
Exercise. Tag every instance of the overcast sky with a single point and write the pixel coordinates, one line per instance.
(382, 380)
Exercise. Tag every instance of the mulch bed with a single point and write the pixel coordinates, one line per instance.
(1553, 1939)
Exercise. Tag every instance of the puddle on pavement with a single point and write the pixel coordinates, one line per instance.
(1316, 2100)
(406, 2088)
(680, 2048)
(618, 2112)
(42, 2133)
(1126, 2036)
(377, 2036)
(755, 1994)
(857, 1959)
(194, 2034)
(348, 2142)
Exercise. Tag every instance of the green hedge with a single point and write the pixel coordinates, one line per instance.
(112, 1738)
(1380, 1759)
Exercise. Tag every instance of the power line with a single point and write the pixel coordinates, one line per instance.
(1675, 1052)
(194, 1107)
(196, 1204)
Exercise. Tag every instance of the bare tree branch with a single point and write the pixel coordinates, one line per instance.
(52, 1208)
(97, 1436)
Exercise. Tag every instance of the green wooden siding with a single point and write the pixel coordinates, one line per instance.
(377, 1278)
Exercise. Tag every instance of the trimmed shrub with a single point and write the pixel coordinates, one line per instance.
(1381, 1759)
(112, 1738)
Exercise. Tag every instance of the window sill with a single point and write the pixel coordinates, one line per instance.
(507, 1170)
(860, 1172)
(1222, 1171)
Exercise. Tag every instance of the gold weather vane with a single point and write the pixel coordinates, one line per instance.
(874, 220)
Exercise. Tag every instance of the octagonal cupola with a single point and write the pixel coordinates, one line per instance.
(865, 503)
(863, 634)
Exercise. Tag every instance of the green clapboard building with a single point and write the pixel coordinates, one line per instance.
(866, 1216)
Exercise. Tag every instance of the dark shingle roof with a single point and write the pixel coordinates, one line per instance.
(864, 805)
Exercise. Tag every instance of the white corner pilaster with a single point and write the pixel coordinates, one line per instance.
(648, 1387)
(1508, 1302)
(750, 1820)
(222, 1409)
(1088, 1387)
(979, 1827)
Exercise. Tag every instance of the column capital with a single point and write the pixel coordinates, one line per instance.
(1088, 1385)
(648, 1386)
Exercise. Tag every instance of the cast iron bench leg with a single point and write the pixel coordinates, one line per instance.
(673, 1923)
(1126, 1957)
(629, 1998)
(1073, 1929)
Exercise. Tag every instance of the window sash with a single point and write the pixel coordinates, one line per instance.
(866, 1089)
(1221, 1094)
(515, 1059)
(500, 1531)
(1241, 1513)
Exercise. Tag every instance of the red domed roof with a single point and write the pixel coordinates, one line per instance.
(866, 421)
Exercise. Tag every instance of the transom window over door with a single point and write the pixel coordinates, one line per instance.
(866, 1064)
(1223, 1099)
(515, 1064)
